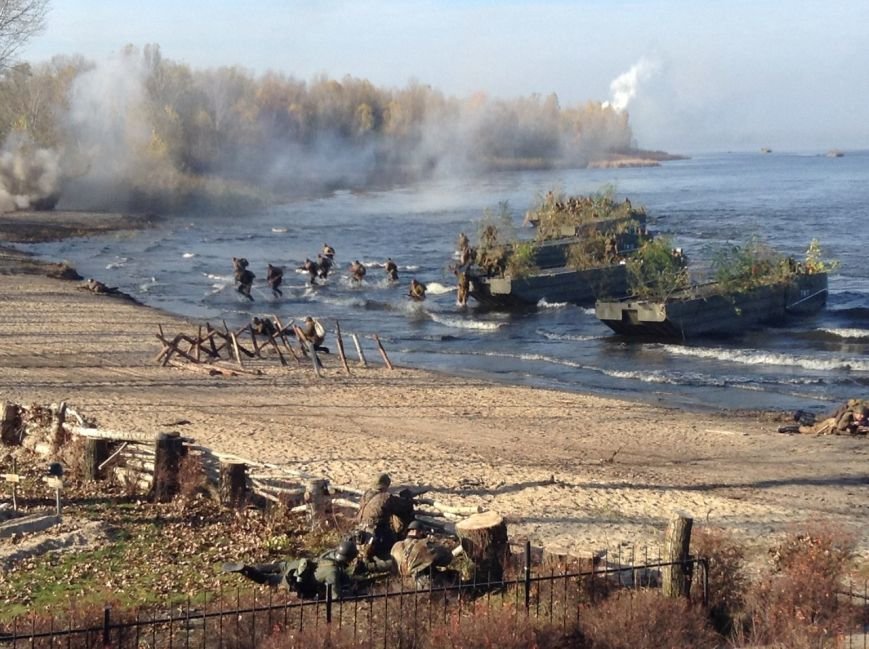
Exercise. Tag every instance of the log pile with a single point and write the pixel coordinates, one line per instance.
(217, 351)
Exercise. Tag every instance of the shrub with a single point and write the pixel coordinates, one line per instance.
(496, 627)
(647, 620)
(654, 272)
(749, 265)
(727, 579)
(798, 604)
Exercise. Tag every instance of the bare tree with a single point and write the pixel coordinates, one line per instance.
(19, 20)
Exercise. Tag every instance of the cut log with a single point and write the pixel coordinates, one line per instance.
(169, 451)
(484, 540)
(94, 453)
(319, 502)
(676, 578)
(10, 424)
(233, 484)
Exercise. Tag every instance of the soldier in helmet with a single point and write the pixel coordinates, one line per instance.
(307, 577)
(324, 264)
(391, 270)
(314, 334)
(312, 269)
(420, 557)
(274, 277)
(385, 516)
(417, 290)
(357, 271)
(243, 277)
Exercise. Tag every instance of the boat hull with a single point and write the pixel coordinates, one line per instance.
(553, 286)
(716, 314)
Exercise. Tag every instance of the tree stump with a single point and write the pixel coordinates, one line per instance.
(319, 503)
(677, 578)
(484, 540)
(94, 453)
(169, 451)
(10, 424)
(233, 484)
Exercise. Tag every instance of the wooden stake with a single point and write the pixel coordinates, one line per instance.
(382, 351)
(235, 347)
(282, 332)
(340, 342)
(169, 449)
(10, 423)
(676, 581)
(362, 360)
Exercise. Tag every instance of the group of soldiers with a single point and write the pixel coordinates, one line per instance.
(316, 269)
(387, 540)
(851, 418)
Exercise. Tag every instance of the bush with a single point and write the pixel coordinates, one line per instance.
(727, 580)
(497, 627)
(647, 620)
(798, 605)
(654, 272)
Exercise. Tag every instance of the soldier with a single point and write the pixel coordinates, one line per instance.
(384, 516)
(417, 290)
(419, 557)
(357, 271)
(324, 263)
(306, 577)
(463, 242)
(274, 276)
(315, 334)
(263, 327)
(328, 251)
(243, 277)
(464, 286)
(312, 268)
(391, 270)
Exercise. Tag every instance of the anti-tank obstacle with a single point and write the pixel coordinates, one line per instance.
(219, 350)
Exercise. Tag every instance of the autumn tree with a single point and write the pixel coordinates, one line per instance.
(19, 21)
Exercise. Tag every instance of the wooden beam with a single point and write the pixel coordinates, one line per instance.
(382, 351)
(340, 342)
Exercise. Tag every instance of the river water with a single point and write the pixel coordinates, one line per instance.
(184, 266)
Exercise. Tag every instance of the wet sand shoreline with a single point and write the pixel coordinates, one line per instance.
(574, 472)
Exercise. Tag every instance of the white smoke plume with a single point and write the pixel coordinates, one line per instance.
(29, 175)
(623, 89)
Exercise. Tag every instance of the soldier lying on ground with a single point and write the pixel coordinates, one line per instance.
(423, 559)
(263, 326)
(852, 418)
(308, 577)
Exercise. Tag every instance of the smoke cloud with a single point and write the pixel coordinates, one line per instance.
(624, 88)
(29, 175)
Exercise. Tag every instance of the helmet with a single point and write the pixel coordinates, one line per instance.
(347, 551)
(383, 481)
(415, 526)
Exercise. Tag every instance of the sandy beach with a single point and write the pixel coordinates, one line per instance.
(570, 471)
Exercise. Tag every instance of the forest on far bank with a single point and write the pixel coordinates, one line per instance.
(142, 132)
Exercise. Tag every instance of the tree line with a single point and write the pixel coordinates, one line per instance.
(161, 132)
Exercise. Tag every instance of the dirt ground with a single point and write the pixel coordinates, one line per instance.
(572, 472)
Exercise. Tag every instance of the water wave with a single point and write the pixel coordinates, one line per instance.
(188, 255)
(757, 357)
(849, 333)
(550, 335)
(460, 323)
(543, 304)
(436, 288)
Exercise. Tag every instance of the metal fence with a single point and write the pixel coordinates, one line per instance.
(390, 617)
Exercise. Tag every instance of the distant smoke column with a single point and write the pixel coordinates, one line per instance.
(624, 87)
(28, 175)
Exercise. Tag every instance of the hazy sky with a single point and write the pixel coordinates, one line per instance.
(713, 75)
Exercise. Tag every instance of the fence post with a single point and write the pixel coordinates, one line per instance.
(676, 582)
(328, 603)
(527, 575)
(106, 621)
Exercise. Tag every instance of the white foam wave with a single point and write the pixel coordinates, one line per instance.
(459, 323)
(279, 230)
(588, 310)
(436, 288)
(410, 267)
(855, 334)
(574, 337)
(757, 357)
(219, 278)
(188, 255)
(543, 304)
